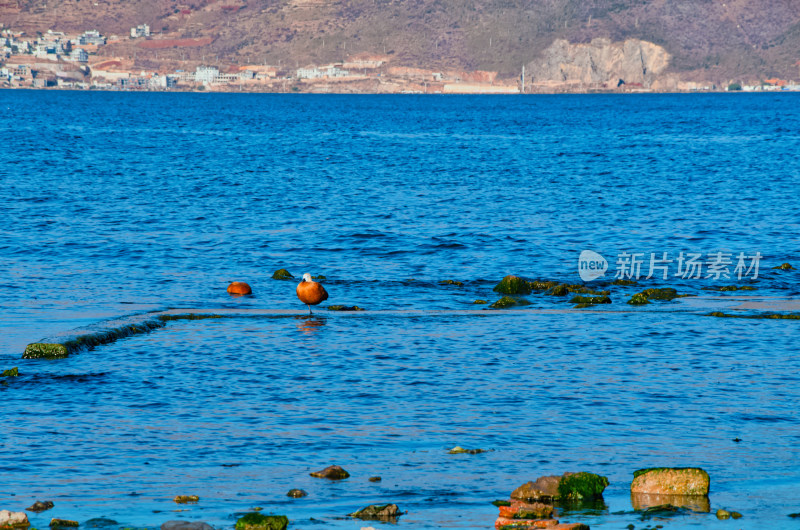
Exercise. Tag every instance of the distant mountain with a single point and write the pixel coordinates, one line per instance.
(713, 40)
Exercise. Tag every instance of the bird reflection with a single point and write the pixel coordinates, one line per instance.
(309, 326)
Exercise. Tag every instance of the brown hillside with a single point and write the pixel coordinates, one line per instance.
(715, 40)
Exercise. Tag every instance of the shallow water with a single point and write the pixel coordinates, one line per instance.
(125, 203)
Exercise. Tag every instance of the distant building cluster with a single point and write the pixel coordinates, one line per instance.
(53, 45)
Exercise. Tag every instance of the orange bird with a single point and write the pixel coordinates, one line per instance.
(310, 292)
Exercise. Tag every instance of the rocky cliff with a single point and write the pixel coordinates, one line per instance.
(600, 62)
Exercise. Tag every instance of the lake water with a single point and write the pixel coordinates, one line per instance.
(115, 204)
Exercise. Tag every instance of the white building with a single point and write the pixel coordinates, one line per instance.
(78, 55)
(142, 30)
(206, 74)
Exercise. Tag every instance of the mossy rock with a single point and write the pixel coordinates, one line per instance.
(542, 285)
(378, 512)
(582, 485)
(344, 308)
(586, 301)
(282, 274)
(620, 281)
(513, 285)
(784, 267)
(723, 514)
(663, 293)
(480, 302)
(41, 350)
(12, 372)
(451, 282)
(258, 521)
(319, 277)
(558, 290)
(581, 289)
(768, 316)
(63, 523)
(501, 502)
(186, 499)
(638, 299)
(730, 288)
(508, 301)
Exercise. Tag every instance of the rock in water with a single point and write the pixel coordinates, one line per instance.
(332, 473)
(375, 479)
(527, 510)
(185, 499)
(63, 523)
(544, 489)
(296, 493)
(186, 525)
(282, 274)
(723, 514)
(10, 519)
(40, 506)
(239, 288)
(379, 512)
(513, 285)
(257, 521)
(580, 486)
(671, 481)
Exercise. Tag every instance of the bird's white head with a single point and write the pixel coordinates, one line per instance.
(307, 277)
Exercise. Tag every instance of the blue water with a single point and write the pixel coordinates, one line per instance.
(116, 204)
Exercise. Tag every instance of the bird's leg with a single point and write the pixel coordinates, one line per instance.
(309, 310)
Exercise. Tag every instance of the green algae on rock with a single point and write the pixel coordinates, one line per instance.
(11, 372)
(581, 485)
(378, 512)
(344, 308)
(63, 523)
(769, 316)
(638, 299)
(509, 301)
(451, 282)
(319, 277)
(513, 285)
(784, 267)
(501, 502)
(59, 347)
(588, 301)
(186, 499)
(258, 521)
(282, 274)
(621, 281)
(654, 293)
(671, 481)
(480, 302)
(730, 288)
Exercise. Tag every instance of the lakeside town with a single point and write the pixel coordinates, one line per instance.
(77, 62)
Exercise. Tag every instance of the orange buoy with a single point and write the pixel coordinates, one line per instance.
(310, 292)
(239, 288)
